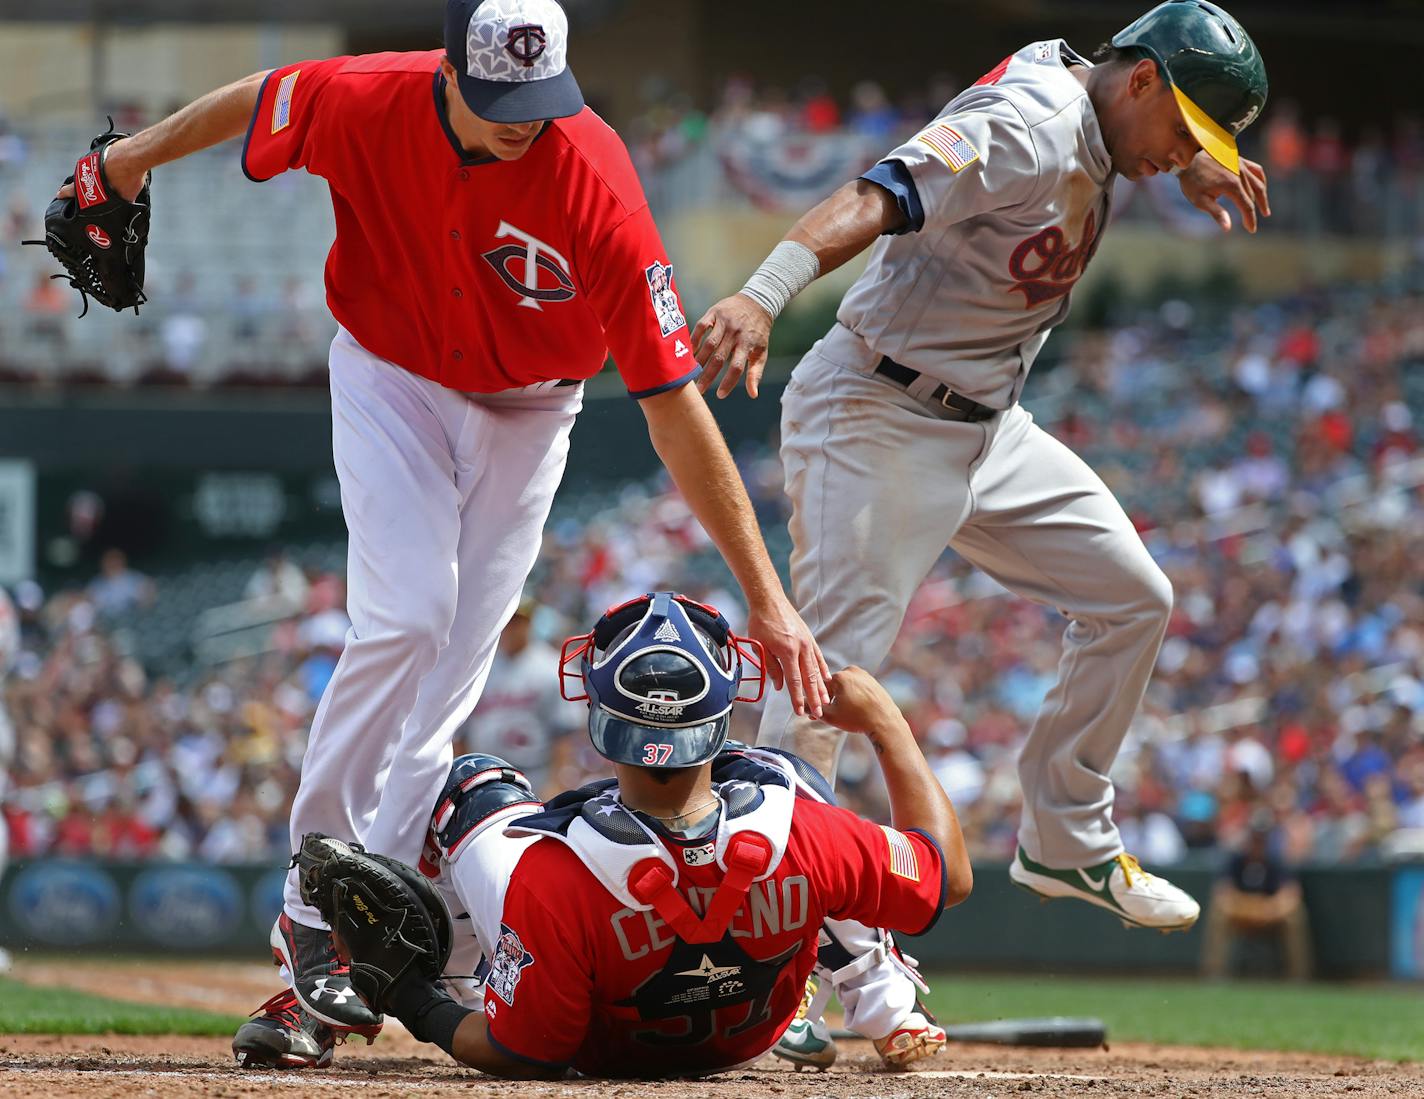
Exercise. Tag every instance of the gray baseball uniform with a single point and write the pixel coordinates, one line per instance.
(1007, 194)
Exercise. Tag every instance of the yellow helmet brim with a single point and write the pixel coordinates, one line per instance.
(1218, 143)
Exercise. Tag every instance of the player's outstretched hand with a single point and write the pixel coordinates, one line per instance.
(734, 334)
(859, 704)
(1206, 183)
(792, 656)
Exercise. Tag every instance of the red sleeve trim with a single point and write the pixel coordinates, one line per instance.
(943, 881)
(682, 381)
(251, 125)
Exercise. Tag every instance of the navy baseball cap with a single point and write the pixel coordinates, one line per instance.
(511, 58)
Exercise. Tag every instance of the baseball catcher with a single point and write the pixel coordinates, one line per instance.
(97, 235)
(661, 923)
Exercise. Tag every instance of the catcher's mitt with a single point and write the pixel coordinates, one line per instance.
(97, 235)
(384, 916)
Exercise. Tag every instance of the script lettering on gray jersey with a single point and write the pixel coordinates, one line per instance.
(1014, 178)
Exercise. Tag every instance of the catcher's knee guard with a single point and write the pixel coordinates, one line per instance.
(479, 789)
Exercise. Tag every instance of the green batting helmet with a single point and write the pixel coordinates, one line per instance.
(1214, 68)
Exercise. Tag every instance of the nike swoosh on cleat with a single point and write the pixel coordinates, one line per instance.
(1095, 886)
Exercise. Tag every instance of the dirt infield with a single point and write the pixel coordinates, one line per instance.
(397, 1066)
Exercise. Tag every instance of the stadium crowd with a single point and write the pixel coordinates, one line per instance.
(233, 322)
(1322, 180)
(1275, 473)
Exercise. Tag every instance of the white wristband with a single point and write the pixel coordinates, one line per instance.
(789, 269)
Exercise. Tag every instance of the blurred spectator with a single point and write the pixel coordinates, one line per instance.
(1292, 674)
(871, 114)
(521, 715)
(1257, 897)
(119, 589)
(279, 578)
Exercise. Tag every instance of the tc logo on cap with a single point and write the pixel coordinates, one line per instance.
(511, 58)
(516, 40)
(526, 42)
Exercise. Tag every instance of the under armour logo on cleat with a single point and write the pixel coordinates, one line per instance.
(338, 995)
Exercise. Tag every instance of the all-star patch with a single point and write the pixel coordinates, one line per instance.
(509, 963)
(699, 856)
(664, 298)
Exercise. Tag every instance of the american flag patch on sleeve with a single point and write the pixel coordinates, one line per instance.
(903, 861)
(949, 145)
(282, 105)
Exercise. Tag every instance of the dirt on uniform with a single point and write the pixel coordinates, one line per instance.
(397, 1066)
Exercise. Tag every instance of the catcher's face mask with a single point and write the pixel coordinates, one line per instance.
(660, 674)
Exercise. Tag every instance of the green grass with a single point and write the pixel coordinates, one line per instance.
(1382, 1021)
(28, 1010)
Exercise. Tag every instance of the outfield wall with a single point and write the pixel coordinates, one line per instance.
(1367, 921)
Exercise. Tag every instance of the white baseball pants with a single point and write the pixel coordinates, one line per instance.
(445, 496)
(879, 487)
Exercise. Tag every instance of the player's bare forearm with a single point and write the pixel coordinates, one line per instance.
(216, 117)
(917, 800)
(736, 332)
(472, 1046)
(691, 446)
(847, 223)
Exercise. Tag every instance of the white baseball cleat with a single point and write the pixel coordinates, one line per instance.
(916, 1038)
(807, 1042)
(1120, 885)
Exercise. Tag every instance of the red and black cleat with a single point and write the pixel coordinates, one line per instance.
(283, 1036)
(320, 979)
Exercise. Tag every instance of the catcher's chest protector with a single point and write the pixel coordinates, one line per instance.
(757, 796)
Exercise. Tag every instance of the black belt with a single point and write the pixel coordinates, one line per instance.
(567, 381)
(943, 401)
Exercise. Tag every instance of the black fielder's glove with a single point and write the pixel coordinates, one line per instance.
(98, 236)
(385, 917)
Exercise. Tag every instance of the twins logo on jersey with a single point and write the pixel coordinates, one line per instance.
(533, 259)
(1044, 267)
(669, 313)
(508, 965)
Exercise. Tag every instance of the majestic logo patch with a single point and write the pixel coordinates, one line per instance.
(536, 263)
(681, 350)
(98, 236)
(508, 965)
(1044, 267)
(88, 186)
(526, 42)
(665, 304)
(282, 105)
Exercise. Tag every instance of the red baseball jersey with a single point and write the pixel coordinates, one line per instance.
(578, 978)
(476, 273)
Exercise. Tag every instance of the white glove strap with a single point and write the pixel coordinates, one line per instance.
(789, 269)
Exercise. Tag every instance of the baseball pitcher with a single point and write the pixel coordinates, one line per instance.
(493, 245)
(901, 429)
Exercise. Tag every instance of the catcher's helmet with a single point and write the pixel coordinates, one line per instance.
(660, 674)
(1214, 69)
